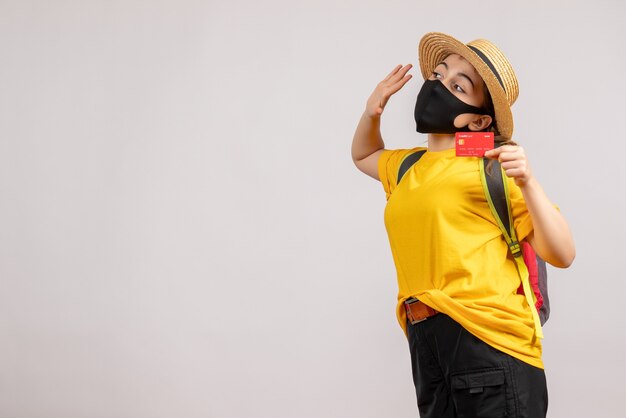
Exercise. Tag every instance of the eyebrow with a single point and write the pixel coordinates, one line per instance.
(460, 74)
(466, 76)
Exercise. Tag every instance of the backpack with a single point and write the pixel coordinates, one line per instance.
(530, 267)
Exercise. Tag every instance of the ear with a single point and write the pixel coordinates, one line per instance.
(481, 122)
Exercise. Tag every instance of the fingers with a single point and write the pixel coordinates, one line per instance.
(514, 166)
(398, 72)
(394, 81)
(395, 70)
(506, 153)
(392, 89)
(513, 161)
(520, 174)
(400, 83)
(491, 154)
(516, 154)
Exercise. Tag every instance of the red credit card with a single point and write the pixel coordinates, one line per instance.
(473, 144)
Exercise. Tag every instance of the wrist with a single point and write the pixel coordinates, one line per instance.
(530, 185)
(373, 117)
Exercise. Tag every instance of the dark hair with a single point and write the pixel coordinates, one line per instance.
(498, 139)
(490, 110)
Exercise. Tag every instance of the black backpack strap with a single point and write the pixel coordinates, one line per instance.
(495, 186)
(408, 162)
(497, 194)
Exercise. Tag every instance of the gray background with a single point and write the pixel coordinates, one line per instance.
(183, 232)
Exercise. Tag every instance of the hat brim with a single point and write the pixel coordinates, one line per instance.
(435, 46)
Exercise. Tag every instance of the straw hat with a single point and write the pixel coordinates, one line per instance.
(490, 64)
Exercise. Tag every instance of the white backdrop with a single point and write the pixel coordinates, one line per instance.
(183, 232)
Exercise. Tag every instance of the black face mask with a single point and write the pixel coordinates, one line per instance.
(436, 108)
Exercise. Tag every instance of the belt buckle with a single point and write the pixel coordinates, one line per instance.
(418, 321)
(410, 301)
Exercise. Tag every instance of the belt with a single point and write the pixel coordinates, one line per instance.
(418, 311)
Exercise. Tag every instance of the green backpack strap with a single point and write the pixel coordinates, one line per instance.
(408, 162)
(496, 190)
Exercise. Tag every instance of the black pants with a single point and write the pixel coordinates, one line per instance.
(457, 375)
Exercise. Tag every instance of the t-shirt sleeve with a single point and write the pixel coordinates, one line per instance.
(388, 165)
(522, 221)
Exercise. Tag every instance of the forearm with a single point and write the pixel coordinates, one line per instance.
(367, 138)
(552, 238)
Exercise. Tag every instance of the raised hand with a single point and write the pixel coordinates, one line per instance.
(394, 81)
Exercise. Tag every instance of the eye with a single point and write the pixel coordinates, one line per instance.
(436, 75)
(458, 88)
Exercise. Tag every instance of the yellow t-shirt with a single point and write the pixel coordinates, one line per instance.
(450, 253)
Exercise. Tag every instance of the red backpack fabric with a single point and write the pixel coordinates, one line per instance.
(537, 276)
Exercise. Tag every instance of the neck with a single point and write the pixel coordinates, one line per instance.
(440, 142)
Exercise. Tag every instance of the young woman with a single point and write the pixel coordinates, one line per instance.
(474, 343)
